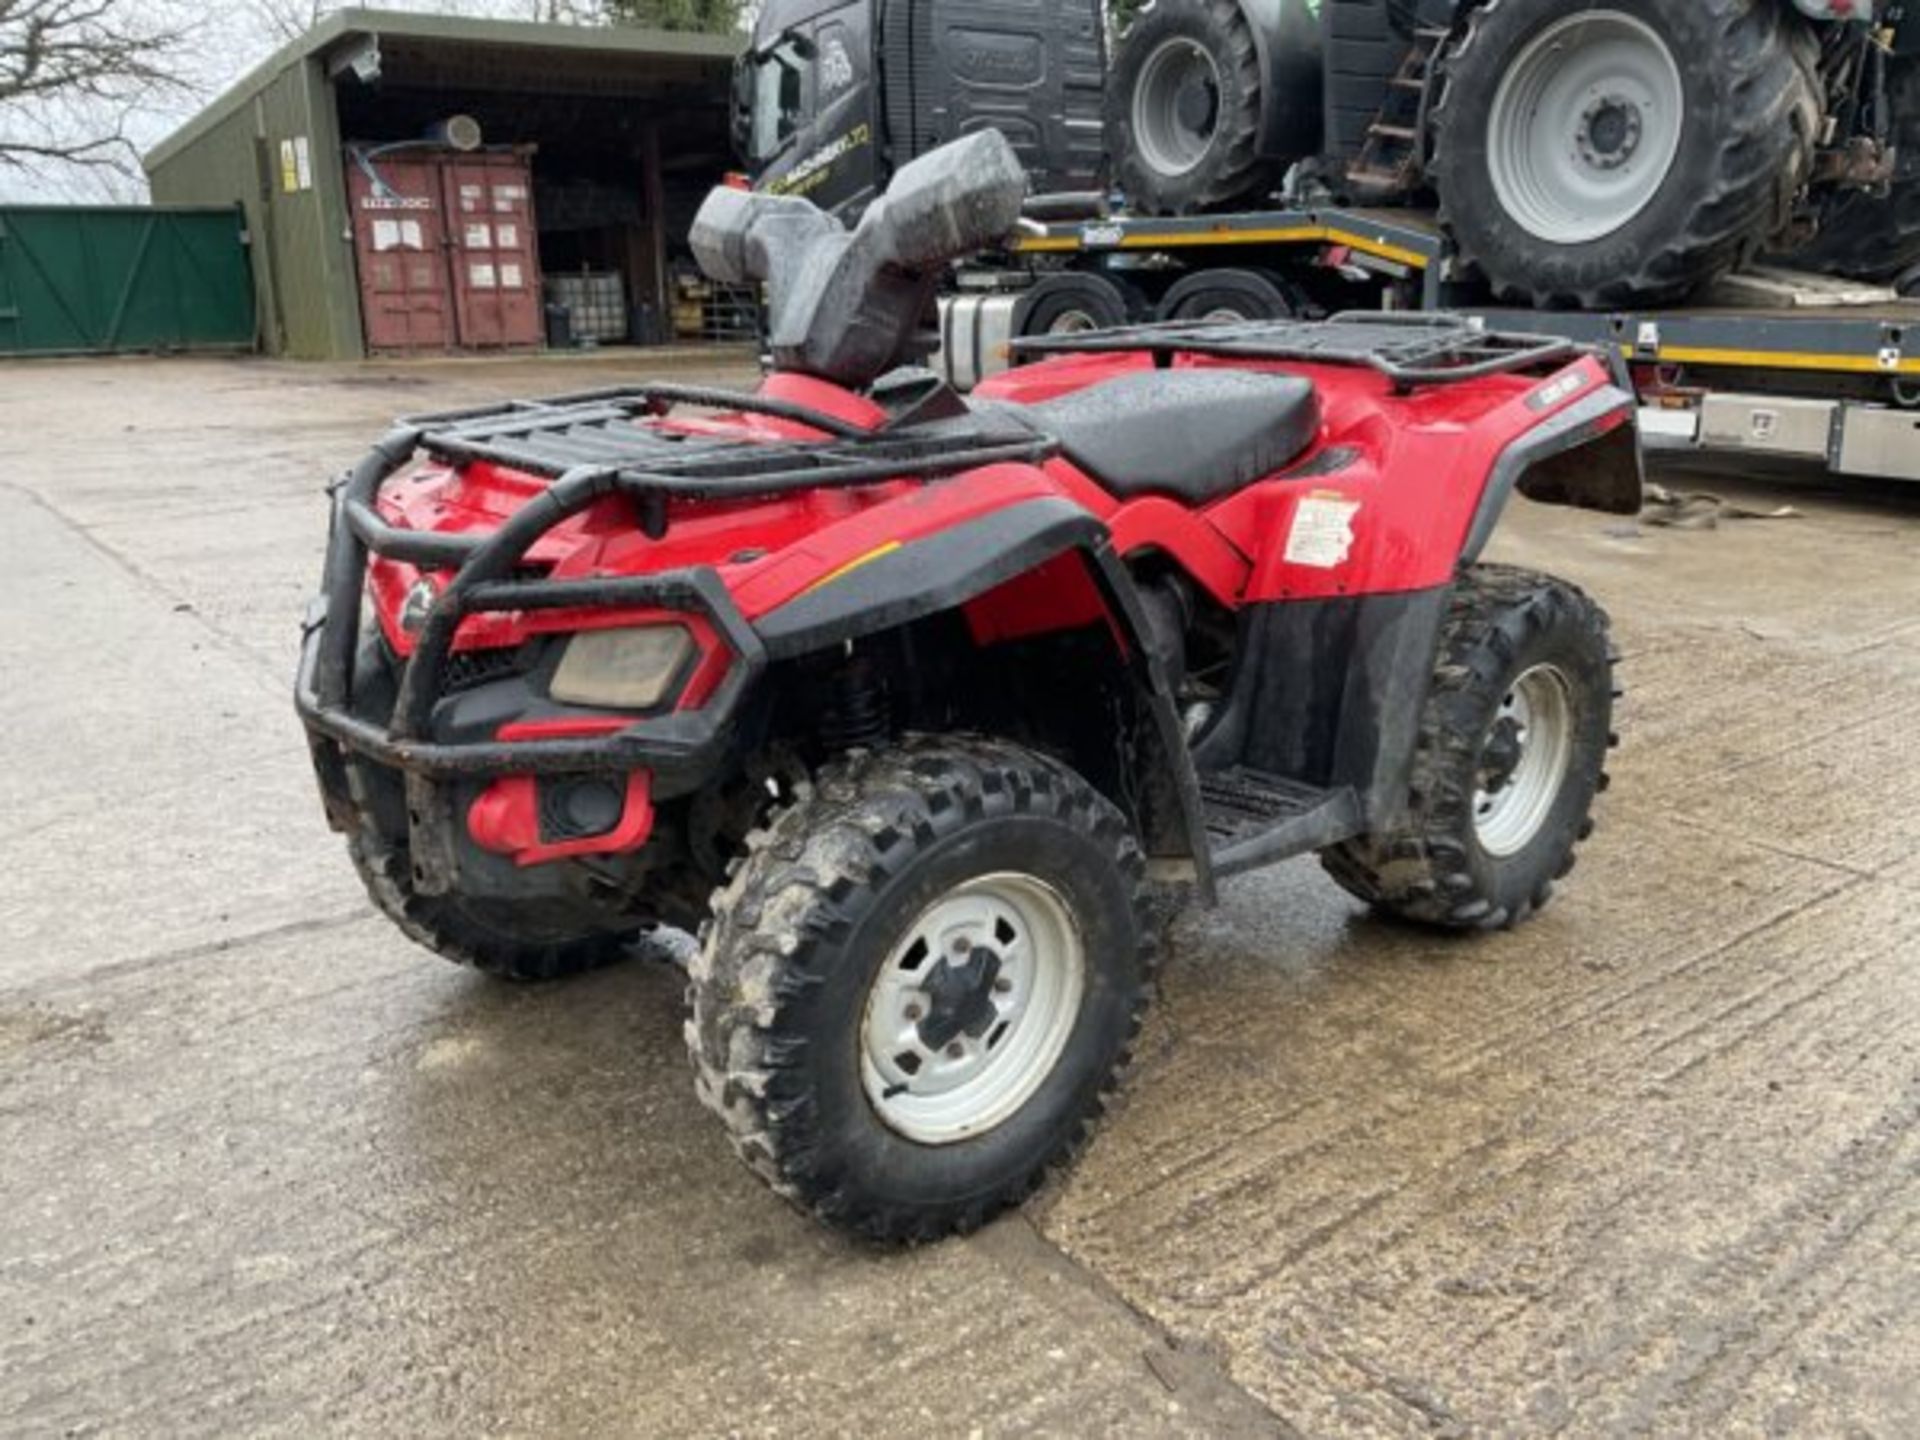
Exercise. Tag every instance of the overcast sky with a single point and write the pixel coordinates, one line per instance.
(234, 36)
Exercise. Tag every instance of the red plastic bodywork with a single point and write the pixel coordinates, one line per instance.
(505, 819)
(1415, 471)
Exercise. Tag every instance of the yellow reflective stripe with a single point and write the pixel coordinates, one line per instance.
(1776, 359)
(1788, 360)
(851, 566)
(1151, 241)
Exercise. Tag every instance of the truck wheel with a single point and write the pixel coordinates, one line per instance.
(1626, 152)
(1183, 108)
(921, 983)
(1512, 750)
(1070, 303)
(491, 939)
(1877, 237)
(1226, 295)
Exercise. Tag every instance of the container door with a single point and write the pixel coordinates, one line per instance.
(399, 236)
(496, 256)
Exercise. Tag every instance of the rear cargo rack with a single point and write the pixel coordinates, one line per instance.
(1408, 349)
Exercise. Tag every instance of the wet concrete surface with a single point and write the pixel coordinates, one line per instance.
(1649, 1164)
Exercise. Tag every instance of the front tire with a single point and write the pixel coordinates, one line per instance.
(922, 983)
(1622, 153)
(1511, 752)
(494, 939)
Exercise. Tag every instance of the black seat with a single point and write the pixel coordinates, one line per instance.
(1196, 435)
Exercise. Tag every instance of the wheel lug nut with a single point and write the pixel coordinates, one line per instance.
(961, 946)
(956, 1050)
(1002, 986)
(914, 1012)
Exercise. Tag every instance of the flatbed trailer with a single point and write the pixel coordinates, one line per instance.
(1772, 364)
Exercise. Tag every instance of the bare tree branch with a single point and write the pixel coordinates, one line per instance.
(72, 73)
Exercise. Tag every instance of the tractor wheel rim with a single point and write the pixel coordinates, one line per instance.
(972, 1009)
(1072, 322)
(1170, 141)
(1585, 127)
(1533, 733)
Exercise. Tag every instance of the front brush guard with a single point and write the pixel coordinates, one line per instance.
(681, 748)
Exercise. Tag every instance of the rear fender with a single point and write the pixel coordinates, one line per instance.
(1587, 455)
(993, 570)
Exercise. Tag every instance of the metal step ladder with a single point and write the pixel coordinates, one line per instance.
(1389, 162)
(1254, 818)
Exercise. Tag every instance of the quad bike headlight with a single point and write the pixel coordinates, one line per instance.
(630, 669)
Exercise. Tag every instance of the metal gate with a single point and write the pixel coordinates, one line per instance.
(95, 279)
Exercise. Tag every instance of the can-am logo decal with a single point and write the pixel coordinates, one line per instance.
(1554, 391)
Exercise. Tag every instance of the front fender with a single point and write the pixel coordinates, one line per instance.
(924, 576)
(943, 571)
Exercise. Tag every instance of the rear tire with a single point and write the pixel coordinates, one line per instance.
(1875, 237)
(1511, 751)
(1565, 171)
(957, 883)
(1183, 108)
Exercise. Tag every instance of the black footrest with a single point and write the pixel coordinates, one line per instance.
(1254, 818)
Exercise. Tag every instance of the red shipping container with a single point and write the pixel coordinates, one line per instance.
(447, 250)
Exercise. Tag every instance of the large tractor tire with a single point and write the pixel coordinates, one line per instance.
(1184, 106)
(1625, 152)
(1877, 237)
(922, 984)
(1512, 750)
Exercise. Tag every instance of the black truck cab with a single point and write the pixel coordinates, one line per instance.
(834, 95)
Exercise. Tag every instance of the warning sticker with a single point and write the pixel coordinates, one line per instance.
(510, 277)
(508, 236)
(480, 237)
(481, 276)
(1322, 535)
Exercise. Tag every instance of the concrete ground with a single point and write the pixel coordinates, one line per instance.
(1649, 1164)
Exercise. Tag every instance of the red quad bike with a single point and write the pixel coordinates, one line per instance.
(918, 706)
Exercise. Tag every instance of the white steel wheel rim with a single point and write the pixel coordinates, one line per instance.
(1585, 126)
(938, 1089)
(1169, 144)
(1537, 716)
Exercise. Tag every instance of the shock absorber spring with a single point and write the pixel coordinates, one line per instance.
(856, 715)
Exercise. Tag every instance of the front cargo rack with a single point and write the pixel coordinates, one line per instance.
(589, 447)
(1408, 349)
